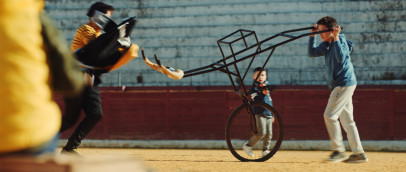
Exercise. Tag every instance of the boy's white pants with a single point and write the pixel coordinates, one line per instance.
(340, 107)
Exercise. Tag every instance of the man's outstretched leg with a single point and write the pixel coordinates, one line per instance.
(93, 111)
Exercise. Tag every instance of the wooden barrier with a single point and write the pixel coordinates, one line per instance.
(200, 113)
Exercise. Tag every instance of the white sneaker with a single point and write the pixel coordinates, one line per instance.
(264, 153)
(248, 150)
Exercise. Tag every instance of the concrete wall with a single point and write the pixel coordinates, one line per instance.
(183, 34)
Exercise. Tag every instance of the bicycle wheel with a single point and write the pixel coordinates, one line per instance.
(241, 127)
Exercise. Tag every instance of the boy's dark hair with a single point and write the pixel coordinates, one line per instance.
(259, 69)
(99, 6)
(328, 21)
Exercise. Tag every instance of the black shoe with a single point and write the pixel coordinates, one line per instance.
(336, 157)
(358, 158)
(73, 151)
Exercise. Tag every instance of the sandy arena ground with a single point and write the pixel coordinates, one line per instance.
(179, 160)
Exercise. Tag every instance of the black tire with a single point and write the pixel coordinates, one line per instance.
(238, 131)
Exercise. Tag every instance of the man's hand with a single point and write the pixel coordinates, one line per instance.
(336, 32)
(315, 29)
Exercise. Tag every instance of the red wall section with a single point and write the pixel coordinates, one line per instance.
(200, 113)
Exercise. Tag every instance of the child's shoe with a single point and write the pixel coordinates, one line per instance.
(264, 153)
(248, 150)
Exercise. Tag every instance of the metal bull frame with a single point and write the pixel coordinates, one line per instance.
(223, 66)
(247, 106)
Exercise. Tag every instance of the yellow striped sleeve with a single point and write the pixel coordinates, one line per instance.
(83, 36)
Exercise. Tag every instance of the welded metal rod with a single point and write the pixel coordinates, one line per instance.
(211, 68)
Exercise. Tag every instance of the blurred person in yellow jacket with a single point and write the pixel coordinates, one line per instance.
(29, 118)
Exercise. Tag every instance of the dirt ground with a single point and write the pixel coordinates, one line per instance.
(185, 160)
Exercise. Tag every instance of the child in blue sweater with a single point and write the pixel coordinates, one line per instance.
(263, 117)
(342, 83)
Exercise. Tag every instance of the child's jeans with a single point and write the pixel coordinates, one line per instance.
(264, 126)
(340, 107)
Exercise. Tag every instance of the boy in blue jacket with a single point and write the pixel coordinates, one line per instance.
(263, 117)
(342, 83)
